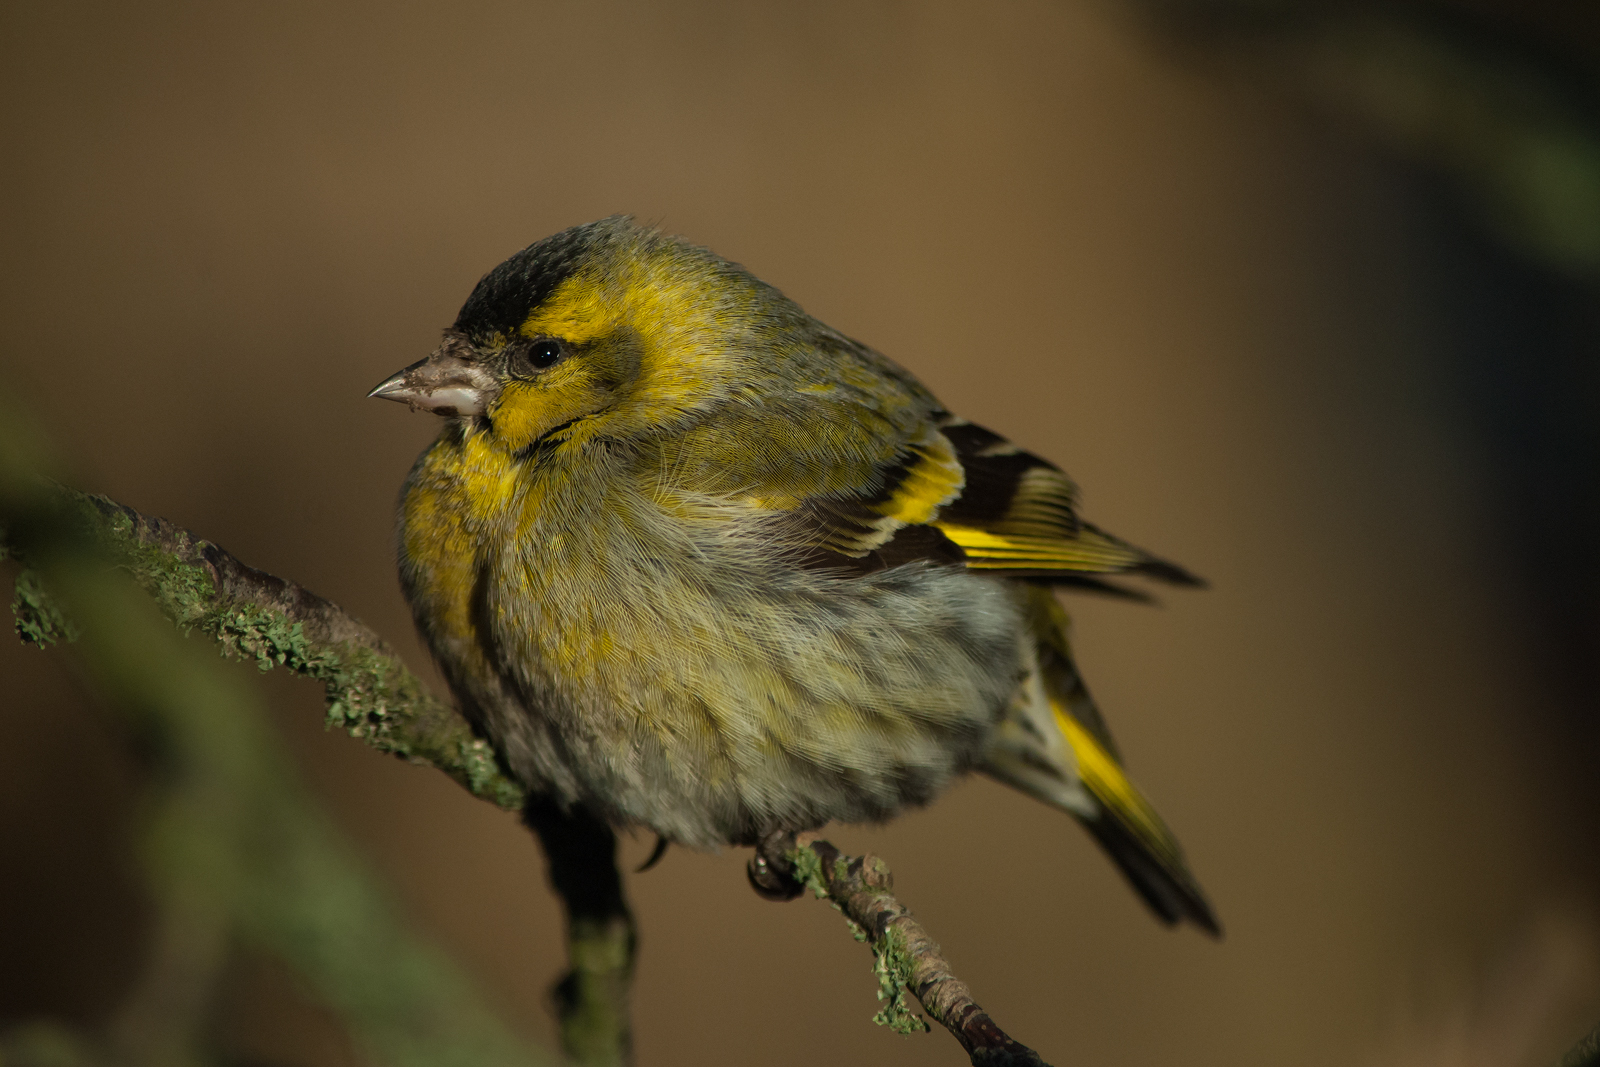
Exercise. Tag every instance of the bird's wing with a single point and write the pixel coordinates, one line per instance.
(959, 494)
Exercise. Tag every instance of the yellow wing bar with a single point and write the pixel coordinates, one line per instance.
(933, 478)
(1089, 552)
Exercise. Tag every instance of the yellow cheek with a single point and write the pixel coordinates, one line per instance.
(523, 412)
(526, 410)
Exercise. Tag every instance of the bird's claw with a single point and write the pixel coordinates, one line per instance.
(769, 871)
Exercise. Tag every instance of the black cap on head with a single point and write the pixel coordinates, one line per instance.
(504, 297)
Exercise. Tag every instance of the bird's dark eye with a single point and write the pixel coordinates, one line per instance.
(544, 354)
(538, 355)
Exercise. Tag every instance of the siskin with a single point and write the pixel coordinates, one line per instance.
(699, 563)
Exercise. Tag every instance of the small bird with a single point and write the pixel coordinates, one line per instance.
(695, 561)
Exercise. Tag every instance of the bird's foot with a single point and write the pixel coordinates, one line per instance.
(770, 872)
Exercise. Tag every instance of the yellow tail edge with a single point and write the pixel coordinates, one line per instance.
(1131, 832)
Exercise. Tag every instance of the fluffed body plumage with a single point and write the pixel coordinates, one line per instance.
(694, 560)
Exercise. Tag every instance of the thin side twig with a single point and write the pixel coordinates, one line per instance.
(907, 958)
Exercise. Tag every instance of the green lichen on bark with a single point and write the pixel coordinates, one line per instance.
(370, 693)
(891, 957)
(806, 868)
(369, 696)
(891, 962)
(235, 851)
(38, 620)
(184, 591)
(483, 775)
(361, 690)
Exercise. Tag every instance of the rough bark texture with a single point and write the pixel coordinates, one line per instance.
(907, 959)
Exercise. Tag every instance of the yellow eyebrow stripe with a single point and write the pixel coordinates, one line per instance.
(576, 311)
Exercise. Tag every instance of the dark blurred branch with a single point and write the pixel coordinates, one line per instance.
(592, 1001)
(1585, 1053)
(1513, 121)
(370, 693)
(905, 957)
(162, 1022)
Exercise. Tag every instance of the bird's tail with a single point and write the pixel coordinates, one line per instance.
(1054, 746)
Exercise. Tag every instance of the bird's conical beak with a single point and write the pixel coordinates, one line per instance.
(445, 383)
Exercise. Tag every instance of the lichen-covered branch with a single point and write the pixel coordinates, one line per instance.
(905, 958)
(234, 850)
(256, 616)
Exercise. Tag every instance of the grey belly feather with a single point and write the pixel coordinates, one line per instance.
(732, 698)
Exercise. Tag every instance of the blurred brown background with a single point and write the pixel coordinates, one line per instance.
(1273, 339)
